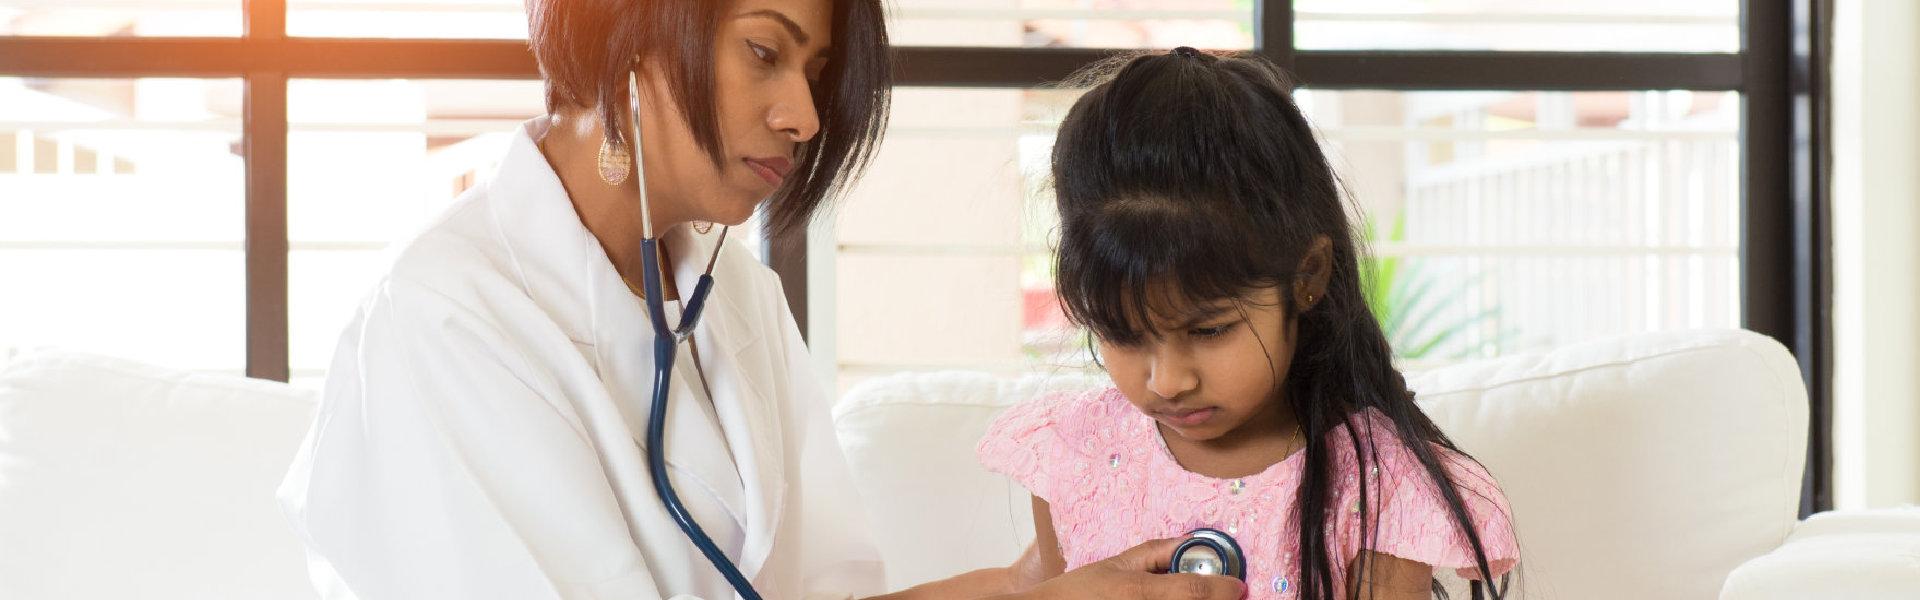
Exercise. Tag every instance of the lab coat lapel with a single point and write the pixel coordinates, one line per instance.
(733, 350)
(625, 352)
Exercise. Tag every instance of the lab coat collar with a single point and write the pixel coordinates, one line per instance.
(589, 300)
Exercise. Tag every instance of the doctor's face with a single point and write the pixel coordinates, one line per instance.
(767, 61)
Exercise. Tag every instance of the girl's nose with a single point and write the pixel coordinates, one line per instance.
(1170, 376)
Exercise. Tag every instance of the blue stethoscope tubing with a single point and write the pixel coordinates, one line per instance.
(666, 341)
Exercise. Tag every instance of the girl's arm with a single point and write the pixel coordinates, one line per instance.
(1042, 560)
(1389, 577)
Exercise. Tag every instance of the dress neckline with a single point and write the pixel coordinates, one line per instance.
(1165, 453)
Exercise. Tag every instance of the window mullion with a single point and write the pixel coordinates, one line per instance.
(266, 19)
(1274, 38)
(266, 225)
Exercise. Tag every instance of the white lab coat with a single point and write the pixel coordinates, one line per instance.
(479, 434)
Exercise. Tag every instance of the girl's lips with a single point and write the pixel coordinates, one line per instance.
(1185, 418)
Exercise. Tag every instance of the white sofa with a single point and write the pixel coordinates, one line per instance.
(1648, 466)
(123, 480)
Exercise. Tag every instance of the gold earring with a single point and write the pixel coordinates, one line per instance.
(702, 227)
(1309, 298)
(615, 162)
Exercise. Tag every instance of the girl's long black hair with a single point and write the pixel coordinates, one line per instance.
(1185, 178)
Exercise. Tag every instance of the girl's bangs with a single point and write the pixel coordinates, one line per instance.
(1147, 262)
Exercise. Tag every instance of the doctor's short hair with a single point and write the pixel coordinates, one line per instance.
(586, 47)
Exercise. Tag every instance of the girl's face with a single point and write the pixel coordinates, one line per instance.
(1213, 372)
(766, 62)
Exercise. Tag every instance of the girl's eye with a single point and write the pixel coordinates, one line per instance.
(1126, 345)
(1213, 332)
(766, 55)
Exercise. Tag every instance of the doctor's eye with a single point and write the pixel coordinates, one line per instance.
(765, 54)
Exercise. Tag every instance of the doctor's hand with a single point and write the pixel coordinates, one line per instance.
(1140, 573)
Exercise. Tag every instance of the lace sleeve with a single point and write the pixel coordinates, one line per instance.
(1416, 524)
(1024, 441)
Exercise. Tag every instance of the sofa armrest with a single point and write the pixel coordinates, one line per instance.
(909, 439)
(1858, 555)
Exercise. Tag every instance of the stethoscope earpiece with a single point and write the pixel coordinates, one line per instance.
(1210, 552)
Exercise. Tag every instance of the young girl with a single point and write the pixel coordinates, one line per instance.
(1205, 245)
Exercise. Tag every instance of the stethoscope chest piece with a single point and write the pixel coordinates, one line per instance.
(1210, 552)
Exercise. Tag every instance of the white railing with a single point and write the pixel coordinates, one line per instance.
(1665, 212)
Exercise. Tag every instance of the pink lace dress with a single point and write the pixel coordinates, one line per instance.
(1112, 484)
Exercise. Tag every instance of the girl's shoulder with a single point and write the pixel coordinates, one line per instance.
(1380, 444)
(1414, 519)
(1067, 415)
(1028, 439)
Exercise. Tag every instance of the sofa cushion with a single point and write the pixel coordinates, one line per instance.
(122, 480)
(1857, 555)
(1640, 466)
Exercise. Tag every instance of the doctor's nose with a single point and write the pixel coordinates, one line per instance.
(794, 115)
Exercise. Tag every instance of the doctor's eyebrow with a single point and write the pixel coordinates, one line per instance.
(799, 35)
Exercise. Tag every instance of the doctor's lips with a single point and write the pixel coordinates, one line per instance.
(773, 168)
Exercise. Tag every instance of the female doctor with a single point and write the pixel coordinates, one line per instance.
(480, 433)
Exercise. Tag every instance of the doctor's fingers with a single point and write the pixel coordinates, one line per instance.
(1191, 586)
(1144, 563)
(1139, 574)
(1154, 556)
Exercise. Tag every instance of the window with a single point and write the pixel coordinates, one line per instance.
(972, 248)
(120, 219)
(1224, 24)
(492, 19)
(368, 163)
(165, 18)
(1499, 208)
(1562, 25)
(1524, 221)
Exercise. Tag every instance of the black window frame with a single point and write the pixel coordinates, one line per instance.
(1781, 71)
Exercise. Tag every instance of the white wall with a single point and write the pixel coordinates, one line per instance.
(1876, 230)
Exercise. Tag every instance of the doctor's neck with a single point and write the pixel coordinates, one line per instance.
(573, 146)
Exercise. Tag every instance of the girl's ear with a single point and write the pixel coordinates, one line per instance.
(1310, 286)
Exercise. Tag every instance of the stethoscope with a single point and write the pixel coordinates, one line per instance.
(666, 342)
(1209, 552)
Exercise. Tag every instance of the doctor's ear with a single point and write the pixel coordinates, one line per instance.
(1310, 281)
